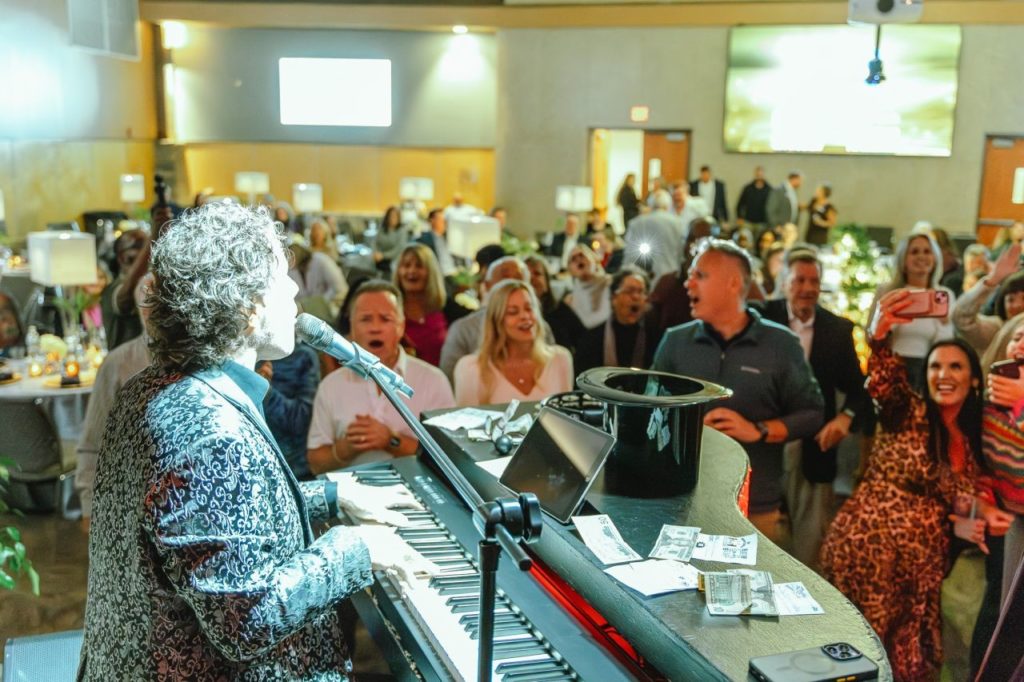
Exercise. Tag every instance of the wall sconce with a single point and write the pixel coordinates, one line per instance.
(174, 35)
(133, 188)
(416, 189)
(307, 197)
(574, 198)
(252, 183)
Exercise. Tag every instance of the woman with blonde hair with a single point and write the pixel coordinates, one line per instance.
(918, 265)
(418, 277)
(321, 239)
(513, 362)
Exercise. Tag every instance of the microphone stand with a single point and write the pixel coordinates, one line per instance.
(503, 522)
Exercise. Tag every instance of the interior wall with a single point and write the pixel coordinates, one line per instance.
(71, 120)
(680, 74)
(443, 86)
(51, 181)
(354, 178)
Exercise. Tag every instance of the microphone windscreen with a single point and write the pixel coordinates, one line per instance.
(313, 331)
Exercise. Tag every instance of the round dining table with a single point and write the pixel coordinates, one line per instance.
(66, 405)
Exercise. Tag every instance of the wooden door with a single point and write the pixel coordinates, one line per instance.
(666, 154)
(599, 168)
(1002, 185)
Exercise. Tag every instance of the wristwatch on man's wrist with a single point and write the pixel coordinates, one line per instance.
(762, 429)
(394, 442)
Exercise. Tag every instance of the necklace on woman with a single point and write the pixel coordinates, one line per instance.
(518, 372)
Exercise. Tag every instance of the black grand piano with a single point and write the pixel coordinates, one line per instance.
(567, 619)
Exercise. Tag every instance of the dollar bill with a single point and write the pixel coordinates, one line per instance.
(740, 592)
(675, 542)
(603, 539)
(727, 594)
(793, 599)
(655, 577)
(727, 549)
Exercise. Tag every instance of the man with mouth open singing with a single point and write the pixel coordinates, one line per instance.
(352, 422)
(775, 396)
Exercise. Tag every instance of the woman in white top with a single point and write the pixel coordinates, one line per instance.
(514, 361)
(918, 266)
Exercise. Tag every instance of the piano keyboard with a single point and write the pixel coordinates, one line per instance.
(446, 606)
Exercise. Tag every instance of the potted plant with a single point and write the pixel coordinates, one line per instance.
(14, 563)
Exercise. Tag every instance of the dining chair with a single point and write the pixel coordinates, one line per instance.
(33, 447)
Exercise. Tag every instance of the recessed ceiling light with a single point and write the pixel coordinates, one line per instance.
(459, 29)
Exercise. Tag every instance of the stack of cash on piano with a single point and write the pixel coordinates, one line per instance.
(735, 592)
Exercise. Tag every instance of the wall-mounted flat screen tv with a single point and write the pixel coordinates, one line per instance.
(804, 89)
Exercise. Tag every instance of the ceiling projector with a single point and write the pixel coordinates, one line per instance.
(884, 11)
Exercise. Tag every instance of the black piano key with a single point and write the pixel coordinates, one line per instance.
(541, 677)
(471, 619)
(446, 553)
(451, 590)
(469, 581)
(502, 630)
(527, 648)
(432, 541)
(455, 579)
(474, 608)
(526, 667)
(518, 645)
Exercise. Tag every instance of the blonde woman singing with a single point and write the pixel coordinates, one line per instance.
(514, 361)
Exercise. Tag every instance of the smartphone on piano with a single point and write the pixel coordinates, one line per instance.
(829, 663)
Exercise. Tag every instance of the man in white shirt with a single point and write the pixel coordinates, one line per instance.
(353, 423)
(459, 209)
(563, 243)
(712, 191)
(687, 208)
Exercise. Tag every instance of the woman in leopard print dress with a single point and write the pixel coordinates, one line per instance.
(887, 548)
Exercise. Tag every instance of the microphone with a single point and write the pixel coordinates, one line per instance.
(320, 336)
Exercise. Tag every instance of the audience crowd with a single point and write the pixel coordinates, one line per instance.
(683, 291)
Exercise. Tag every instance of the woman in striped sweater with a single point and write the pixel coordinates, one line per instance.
(1003, 439)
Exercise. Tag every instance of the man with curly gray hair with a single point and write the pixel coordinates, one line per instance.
(202, 561)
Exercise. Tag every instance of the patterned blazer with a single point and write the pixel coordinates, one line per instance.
(202, 561)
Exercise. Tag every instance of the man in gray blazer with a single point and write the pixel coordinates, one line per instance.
(202, 562)
(783, 206)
